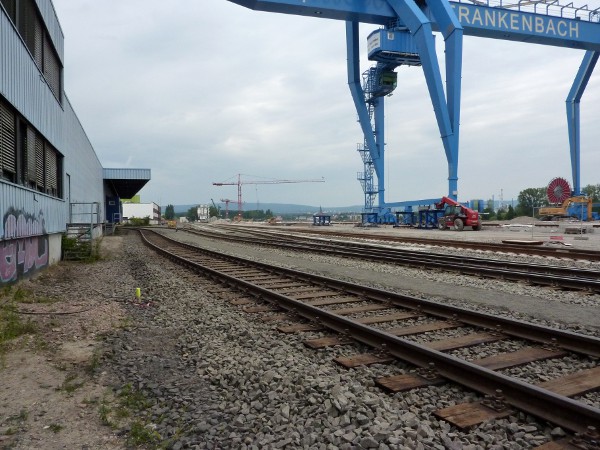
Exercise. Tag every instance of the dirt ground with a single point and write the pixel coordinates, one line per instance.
(52, 394)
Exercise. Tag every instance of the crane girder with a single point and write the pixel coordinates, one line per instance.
(490, 19)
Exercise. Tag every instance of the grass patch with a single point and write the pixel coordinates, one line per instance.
(55, 427)
(126, 410)
(22, 295)
(94, 363)
(71, 384)
(84, 250)
(105, 411)
(21, 417)
(134, 400)
(12, 326)
(142, 435)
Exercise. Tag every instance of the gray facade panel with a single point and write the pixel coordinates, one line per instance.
(81, 163)
(35, 209)
(24, 87)
(53, 25)
(127, 174)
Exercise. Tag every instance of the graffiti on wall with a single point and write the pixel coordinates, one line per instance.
(24, 248)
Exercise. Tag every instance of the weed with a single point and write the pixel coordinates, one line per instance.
(55, 428)
(105, 414)
(6, 290)
(70, 385)
(21, 417)
(21, 295)
(140, 435)
(131, 399)
(122, 412)
(81, 250)
(94, 363)
(11, 326)
(90, 401)
(10, 431)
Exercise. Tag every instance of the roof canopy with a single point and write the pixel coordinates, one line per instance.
(126, 182)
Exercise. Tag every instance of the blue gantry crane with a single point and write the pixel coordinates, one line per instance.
(406, 37)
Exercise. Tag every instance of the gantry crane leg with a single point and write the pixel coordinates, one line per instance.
(374, 138)
(448, 117)
(447, 109)
(573, 99)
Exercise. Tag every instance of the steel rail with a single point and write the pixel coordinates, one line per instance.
(541, 274)
(557, 409)
(391, 252)
(568, 340)
(589, 255)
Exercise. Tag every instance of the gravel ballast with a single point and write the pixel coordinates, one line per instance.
(217, 378)
(214, 377)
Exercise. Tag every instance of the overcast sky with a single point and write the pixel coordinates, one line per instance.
(201, 90)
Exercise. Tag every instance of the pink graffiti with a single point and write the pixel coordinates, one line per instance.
(22, 256)
(22, 226)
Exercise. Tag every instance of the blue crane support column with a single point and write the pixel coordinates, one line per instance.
(420, 27)
(358, 96)
(452, 31)
(379, 120)
(573, 99)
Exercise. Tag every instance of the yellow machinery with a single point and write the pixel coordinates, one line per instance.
(579, 207)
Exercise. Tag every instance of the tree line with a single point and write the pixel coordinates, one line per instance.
(192, 213)
(528, 201)
(531, 199)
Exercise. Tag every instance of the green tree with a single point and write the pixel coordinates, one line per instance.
(489, 213)
(192, 214)
(170, 212)
(510, 213)
(592, 190)
(531, 198)
(214, 212)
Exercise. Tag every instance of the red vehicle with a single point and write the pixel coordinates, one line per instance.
(457, 216)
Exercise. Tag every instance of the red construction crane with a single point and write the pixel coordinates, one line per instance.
(240, 182)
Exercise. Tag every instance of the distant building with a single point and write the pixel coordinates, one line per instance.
(202, 213)
(141, 211)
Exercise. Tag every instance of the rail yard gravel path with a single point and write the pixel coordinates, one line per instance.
(181, 368)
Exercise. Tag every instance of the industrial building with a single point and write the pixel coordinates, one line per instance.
(50, 176)
(141, 211)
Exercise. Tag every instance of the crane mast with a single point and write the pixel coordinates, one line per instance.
(241, 182)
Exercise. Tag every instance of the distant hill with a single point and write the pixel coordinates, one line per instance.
(276, 208)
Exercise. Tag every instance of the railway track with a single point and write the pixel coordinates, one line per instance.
(536, 274)
(557, 252)
(401, 327)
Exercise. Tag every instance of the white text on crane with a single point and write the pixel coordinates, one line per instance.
(492, 18)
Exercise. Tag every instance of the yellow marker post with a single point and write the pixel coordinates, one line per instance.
(138, 292)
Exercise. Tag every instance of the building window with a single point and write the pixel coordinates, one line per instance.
(24, 14)
(8, 141)
(10, 7)
(26, 157)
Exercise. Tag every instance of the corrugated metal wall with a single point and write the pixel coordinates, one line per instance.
(23, 86)
(52, 24)
(81, 162)
(126, 173)
(51, 213)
